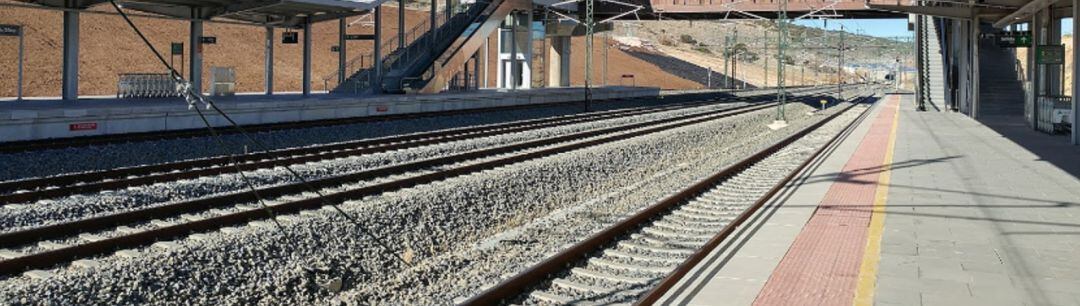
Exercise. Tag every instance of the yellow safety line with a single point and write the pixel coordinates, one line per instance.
(864, 292)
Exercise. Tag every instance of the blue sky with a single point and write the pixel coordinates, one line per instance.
(886, 27)
(873, 27)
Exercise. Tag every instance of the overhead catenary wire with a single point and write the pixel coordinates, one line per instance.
(194, 98)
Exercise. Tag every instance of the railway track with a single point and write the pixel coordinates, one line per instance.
(53, 245)
(640, 257)
(28, 190)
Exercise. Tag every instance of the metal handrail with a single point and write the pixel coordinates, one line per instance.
(466, 19)
(418, 43)
(415, 51)
(1020, 72)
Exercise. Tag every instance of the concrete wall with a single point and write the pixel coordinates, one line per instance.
(120, 116)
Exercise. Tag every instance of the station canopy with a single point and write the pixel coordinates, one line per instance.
(277, 13)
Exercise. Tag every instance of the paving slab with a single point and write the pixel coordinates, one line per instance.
(976, 214)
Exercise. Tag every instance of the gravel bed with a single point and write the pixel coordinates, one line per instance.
(501, 255)
(321, 253)
(51, 162)
(17, 217)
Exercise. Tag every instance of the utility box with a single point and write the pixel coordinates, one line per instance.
(222, 81)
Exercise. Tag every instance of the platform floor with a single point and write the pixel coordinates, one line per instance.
(968, 214)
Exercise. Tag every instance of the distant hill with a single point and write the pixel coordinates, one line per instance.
(812, 54)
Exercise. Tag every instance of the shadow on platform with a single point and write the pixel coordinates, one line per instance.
(1054, 149)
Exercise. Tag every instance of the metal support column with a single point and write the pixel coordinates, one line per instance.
(195, 65)
(1033, 67)
(1075, 72)
(432, 27)
(920, 67)
(604, 73)
(476, 70)
(1053, 72)
(974, 65)
(22, 55)
(269, 74)
(70, 89)
(307, 58)
(514, 71)
(401, 24)
(342, 56)
(376, 88)
(487, 59)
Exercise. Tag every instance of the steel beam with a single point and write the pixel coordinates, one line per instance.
(268, 75)
(975, 67)
(342, 59)
(1075, 72)
(307, 58)
(1028, 10)
(70, 83)
(401, 24)
(487, 59)
(377, 66)
(195, 64)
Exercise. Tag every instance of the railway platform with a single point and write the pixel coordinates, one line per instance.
(34, 120)
(912, 208)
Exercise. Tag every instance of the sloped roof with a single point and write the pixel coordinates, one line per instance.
(280, 13)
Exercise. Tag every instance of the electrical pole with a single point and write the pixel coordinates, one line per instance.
(735, 60)
(781, 44)
(766, 58)
(840, 66)
(727, 58)
(802, 75)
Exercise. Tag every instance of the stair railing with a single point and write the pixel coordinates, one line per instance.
(446, 32)
(466, 19)
(358, 66)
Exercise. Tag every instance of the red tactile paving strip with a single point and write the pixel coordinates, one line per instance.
(822, 265)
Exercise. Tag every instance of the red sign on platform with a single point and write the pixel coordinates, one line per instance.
(86, 126)
(382, 108)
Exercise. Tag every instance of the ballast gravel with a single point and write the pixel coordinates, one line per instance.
(424, 252)
(51, 162)
(51, 211)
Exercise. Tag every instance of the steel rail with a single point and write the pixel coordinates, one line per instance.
(686, 266)
(94, 181)
(74, 227)
(532, 276)
(51, 258)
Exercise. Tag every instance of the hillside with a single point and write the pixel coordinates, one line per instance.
(109, 48)
(811, 50)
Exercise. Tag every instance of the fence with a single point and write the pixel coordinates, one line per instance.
(146, 85)
(1054, 114)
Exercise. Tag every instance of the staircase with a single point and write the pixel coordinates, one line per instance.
(397, 61)
(437, 73)
(1001, 89)
(933, 66)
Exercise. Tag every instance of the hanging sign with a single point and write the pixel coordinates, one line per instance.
(209, 40)
(1014, 39)
(177, 49)
(290, 38)
(359, 37)
(1051, 55)
(335, 49)
(10, 30)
